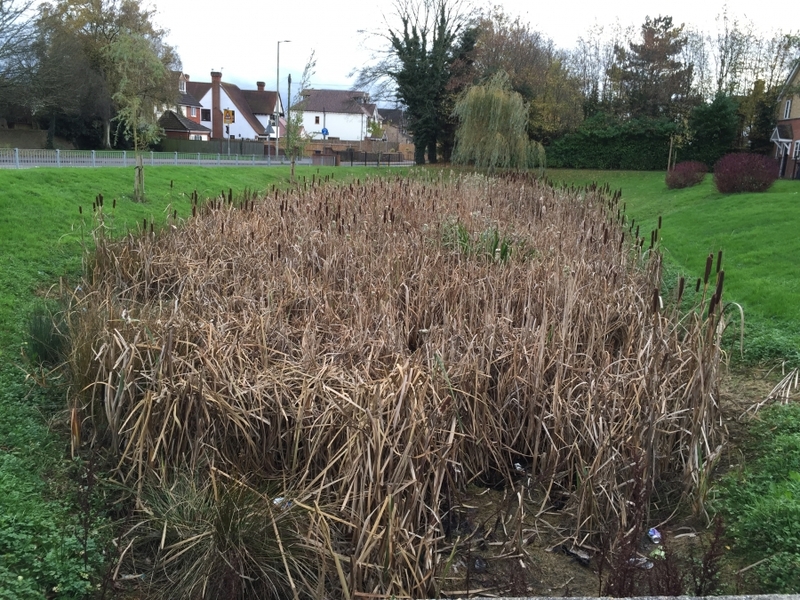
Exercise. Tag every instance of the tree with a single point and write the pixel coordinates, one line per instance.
(97, 25)
(590, 64)
(714, 130)
(432, 35)
(492, 128)
(536, 70)
(16, 37)
(650, 79)
(296, 137)
(65, 88)
(140, 78)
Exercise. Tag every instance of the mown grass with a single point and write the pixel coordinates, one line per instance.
(761, 501)
(757, 233)
(49, 542)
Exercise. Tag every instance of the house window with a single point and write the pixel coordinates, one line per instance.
(205, 114)
(788, 110)
(196, 137)
(182, 86)
(316, 120)
(194, 111)
(797, 149)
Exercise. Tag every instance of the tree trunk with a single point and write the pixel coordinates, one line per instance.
(419, 154)
(138, 180)
(106, 133)
(432, 151)
(292, 168)
(51, 133)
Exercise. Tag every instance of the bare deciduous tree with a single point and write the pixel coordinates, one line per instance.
(422, 41)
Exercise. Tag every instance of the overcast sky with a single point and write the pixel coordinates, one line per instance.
(240, 37)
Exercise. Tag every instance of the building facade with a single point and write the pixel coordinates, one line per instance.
(786, 135)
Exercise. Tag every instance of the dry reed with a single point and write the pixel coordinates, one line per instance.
(387, 342)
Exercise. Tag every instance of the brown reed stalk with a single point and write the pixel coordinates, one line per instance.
(336, 337)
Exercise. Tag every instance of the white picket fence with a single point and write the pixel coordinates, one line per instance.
(17, 158)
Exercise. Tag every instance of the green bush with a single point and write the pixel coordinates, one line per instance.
(604, 142)
(44, 550)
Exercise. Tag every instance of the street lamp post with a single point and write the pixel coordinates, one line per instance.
(278, 92)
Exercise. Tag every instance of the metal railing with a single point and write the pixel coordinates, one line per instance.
(17, 158)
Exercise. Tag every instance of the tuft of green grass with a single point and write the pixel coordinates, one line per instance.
(755, 231)
(761, 502)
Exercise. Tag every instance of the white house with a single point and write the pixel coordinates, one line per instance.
(253, 110)
(345, 114)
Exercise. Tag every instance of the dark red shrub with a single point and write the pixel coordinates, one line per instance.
(686, 174)
(744, 173)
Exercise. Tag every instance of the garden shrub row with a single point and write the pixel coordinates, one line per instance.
(602, 142)
(742, 172)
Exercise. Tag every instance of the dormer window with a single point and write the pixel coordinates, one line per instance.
(182, 85)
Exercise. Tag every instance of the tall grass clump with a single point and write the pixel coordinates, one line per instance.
(686, 174)
(386, 344)
(47, 333)
(744, 172)
(221, 538)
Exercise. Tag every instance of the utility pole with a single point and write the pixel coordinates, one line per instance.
(278, 92)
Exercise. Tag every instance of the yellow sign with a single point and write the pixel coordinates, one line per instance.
(228, 116)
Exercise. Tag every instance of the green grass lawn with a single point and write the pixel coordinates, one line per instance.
(758, 234)
(48, 548)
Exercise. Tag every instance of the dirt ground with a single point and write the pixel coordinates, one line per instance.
(542, 559)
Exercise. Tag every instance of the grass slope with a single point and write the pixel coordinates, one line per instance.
(756, 232)
(45, 548)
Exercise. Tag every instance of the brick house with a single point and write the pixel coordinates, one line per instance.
(786, 136)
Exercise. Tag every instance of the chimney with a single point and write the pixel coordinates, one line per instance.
(216, 111)
(260, 86)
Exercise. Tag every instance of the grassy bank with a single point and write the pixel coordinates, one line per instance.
(49, 534)
(756, 232)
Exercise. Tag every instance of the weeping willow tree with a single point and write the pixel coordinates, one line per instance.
(492, 132)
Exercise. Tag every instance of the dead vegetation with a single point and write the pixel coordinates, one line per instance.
(376, 347)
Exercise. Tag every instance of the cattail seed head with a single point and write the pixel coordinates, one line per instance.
(709, 264)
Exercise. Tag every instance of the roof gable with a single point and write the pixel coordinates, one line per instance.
(188, 100)
(349, 102)
(197, 89)
(238, 99)
(173, 121)
(260, 102)
(792, 81)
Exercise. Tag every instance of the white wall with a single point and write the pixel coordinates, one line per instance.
(240, 128)
(342, 126)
